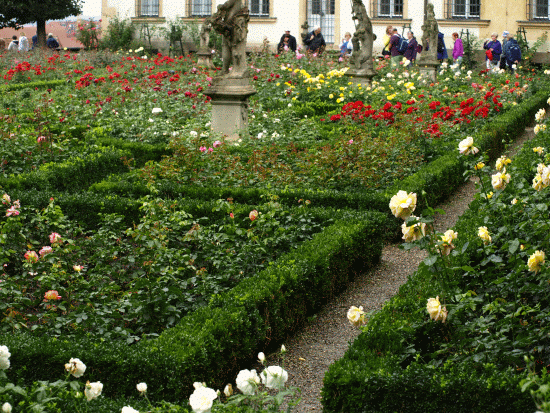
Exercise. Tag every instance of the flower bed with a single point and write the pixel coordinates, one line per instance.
(493, 288)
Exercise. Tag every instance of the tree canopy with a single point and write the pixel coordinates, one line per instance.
(16, 13)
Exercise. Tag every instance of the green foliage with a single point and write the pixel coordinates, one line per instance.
(118, 35)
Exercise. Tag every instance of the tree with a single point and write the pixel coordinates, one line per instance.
(16, 13)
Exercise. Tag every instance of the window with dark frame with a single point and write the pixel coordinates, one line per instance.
(199, 8)
(463, 9)
(147, 8)
(389, 9)
(258, 8)
(321, 13)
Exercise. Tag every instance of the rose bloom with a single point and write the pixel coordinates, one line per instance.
(514, 201)
(434, 308)
(228, 390)
(356, 316)
(55, 238)
(141, 387)
(414, 232)
(539, 150)
(4, 358)
(93, 390)
(537, 183)
(6, 199)
(253, 215)
(6, 408)
(51, 295)
(446, 242)
(500, 179)
(483, 233)
(75, 367)
(274, 377)
(466, 146)
(479, 165)
(539, 128)
(535, 261)
(129, 409)
(402, 204)
(31, 256)
(501, 163)
(45, 250)
(247, 381)
(12, 211)
(202, 399)
(540, 115)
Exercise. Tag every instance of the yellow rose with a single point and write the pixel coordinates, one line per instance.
(500, 179)
(466, 146)
(479, 165)
(539, 150)
(537, 183)
(356, 316)
(434, 308)
(502, 162)
(402, 204)
(535, 261)
(446, 242)
(414, 232)
(483, 233)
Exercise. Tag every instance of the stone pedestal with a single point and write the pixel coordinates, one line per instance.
(360, 77)
(229, 98)
(428, 69)
(205, 59)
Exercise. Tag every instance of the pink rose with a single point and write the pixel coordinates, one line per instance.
(45, 250)
(253, 215)
(55, 238)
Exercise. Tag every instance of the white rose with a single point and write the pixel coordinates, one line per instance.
(141, 387)
(156, 110)
(93, 390)
(128, 409)
(193, 133)
(247, 381)
(6, 408)
(202, 399)
(467, 147)
(355, 315)
(75, 367)
(402, 204)
(274, 377)
(261, 357)
(228, 390)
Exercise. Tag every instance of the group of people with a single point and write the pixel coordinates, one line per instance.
(314, 42)
(22, 44)
(504, 56)
(397, 47)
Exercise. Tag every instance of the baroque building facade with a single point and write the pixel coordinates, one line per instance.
(271, 18)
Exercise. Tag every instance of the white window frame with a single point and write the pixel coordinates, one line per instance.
(392, 13)
(536, 16)
(467, 9)
(200, 8)
(262, 5)
(147, 7)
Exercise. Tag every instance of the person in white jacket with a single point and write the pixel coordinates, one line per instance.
(23, 43)
(14, 44)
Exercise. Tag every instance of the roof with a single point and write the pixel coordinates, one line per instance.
(63, 30)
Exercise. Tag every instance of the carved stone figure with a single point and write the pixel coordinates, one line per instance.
(231, 21)
(361, 58)
(430, 29)
(305, 31)
(204, 54)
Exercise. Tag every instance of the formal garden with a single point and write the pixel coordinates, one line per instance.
(153, 259)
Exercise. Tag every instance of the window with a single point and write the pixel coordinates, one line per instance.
(147, 8)
(463, 9)
(321, 13)
(259, 8)
(387, 8)
(199, 8)
(540, 9)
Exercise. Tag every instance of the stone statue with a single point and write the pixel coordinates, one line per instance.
(231, 21)
(204, 54)
(430, 30)
(361, 58)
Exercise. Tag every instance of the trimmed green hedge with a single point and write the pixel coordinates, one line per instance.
(213, 342)
(34, 85)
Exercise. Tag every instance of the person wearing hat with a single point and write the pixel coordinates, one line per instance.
(315, 41)
(51, 42)
(502, 64)
(287, 40)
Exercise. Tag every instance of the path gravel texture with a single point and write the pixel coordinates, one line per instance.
(327, 337)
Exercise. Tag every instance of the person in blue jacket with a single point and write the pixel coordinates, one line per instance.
(496, 50)
(441, 49)
(513, 53)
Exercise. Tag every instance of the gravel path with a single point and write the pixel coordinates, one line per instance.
(326, 338)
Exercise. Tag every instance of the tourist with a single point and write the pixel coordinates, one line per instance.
(493, 51)
(287, 40)
(14, 44)
(441, 49)
(34, 41)
(346, 47)
(51, 42)
(23, 43)
(458, 49)
(412, 48)
(513, 53)
(502, 64)
(395, 39)
(386, 40)
(315, 41)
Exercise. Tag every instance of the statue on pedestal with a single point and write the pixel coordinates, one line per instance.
(430, 29)
(204, 54)
(231, 21)
(361, 58)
